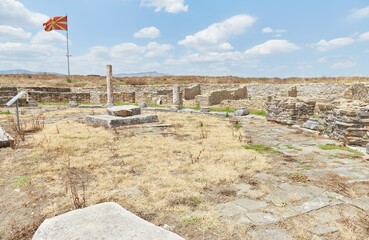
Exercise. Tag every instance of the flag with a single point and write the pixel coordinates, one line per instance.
(56, 23)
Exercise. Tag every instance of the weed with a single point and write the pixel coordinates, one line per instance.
(69, 80)
(336, 147)
(7, 112)
(222, 109)
(73, 179)
(155, 105)
(237, 126)
(290, 146)
(191, 201)
(298, 177)
(196, 158)
(258, 112)
(21, 181)
(190, 220)
(261, 148)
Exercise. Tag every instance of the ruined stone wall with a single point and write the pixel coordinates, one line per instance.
(314, 90)
(119, 97)
(216, 97)
(58, 96)
(290, 110)
(191, 92)
(343, 120)
(347, 121)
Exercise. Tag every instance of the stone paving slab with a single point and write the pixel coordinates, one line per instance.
(268, 234)
(113, 121)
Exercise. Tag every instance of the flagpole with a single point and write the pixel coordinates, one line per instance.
(68, 47)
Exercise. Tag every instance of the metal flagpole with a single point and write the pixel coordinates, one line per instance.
(68, 46)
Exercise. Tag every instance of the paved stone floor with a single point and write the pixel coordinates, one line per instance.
(307, 187)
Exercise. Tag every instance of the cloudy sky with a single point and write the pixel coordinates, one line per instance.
(266, 38)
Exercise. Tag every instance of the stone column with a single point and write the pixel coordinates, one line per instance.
(177, 101)
(109, 85)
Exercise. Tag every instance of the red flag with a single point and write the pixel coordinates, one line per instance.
(56, 23)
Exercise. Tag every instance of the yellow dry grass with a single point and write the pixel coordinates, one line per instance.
(161, 174)
(27, 80)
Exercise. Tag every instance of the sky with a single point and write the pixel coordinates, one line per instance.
(264, 38)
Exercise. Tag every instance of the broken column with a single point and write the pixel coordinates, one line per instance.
(177, 98)
(109, 85)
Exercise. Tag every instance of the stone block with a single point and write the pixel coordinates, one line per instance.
(101, 221)
(5, 139)
(113, 121)
(124, 111)
(241, 112)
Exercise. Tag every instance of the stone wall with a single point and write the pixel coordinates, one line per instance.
(58, 96)
(314, 90)
(191, 92)
(119, 97)
(347, 121)
(216, 97)
(290, 110)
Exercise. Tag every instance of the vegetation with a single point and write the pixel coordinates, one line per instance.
(258, 112)
(336, 147)
(222, 109)
(290, 146)
(7, 112)
(261, 148)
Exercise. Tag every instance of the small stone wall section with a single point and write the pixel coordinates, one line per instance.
(347, 121)
(290, 110)
(191, 92)
(216, 97)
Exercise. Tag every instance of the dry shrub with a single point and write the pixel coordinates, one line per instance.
(336, 183)
(356, 228)
(73, 182)
(26, 232)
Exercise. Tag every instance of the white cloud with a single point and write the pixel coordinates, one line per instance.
(213, 57)
(216, 35)
(360, 13)
(267, 30)
(9, 33)
(343, 64)
(53, 38)
(324, 45)
(272, 47)
(170, 6)
(155, 49)
(364, 36)
(127, 50)
(271, 30)
(147, 32)
(14, 13)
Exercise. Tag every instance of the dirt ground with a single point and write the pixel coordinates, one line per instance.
(203, 177)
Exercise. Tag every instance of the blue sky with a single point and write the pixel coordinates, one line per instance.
(266, 38)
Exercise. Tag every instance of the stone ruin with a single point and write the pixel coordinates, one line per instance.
(121, 116)
(345, 119)
(216, 97)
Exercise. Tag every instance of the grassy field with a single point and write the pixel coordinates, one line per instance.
(24, 80)
(161, 174)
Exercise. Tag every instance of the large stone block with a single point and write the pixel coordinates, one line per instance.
(101, 221)
(113, 121)
(124, 111)
(5, 139)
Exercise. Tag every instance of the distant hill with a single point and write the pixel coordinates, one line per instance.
(141, 74)
(23, 71)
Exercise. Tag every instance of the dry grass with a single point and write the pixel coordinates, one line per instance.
(95, 80)
(336, 183)
(160, 174)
